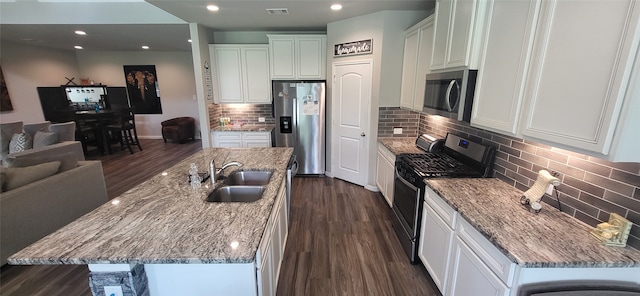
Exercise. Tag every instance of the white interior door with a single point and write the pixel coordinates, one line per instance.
(351, 95)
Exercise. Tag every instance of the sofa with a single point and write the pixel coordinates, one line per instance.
(179, 129)
(39, 139)
(32, 211)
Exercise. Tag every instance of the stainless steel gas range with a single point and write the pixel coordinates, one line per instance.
(457, 158)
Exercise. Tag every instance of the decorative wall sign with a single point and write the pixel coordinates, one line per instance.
(143, 89)
(353, 48)
(5, 100)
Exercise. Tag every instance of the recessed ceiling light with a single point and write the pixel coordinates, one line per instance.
(189, 41)
(145, 47)
(80, 32)
(77, 47)
(213, 8)
(336, 7)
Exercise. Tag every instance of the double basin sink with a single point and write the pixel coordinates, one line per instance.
(241, 186)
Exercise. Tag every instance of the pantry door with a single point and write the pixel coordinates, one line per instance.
(351, 94)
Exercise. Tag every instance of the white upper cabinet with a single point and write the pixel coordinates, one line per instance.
(242, 73)
(418, 44)
(501, 75)
(580, 72)
(457, 34)
(562, 73)
(298, 56)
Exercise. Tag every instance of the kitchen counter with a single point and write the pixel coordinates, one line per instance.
(400, 145)
(548, 239)
(244, 128)
(164, 220)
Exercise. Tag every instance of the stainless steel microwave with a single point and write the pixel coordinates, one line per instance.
(450, 94)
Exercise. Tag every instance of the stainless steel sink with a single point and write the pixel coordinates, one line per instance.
(248, 178)
(236, 194)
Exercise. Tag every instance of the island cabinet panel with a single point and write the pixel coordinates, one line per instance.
(271, 249)
(201, 279)
(385, 170)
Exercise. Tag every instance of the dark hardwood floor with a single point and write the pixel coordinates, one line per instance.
(340, 238)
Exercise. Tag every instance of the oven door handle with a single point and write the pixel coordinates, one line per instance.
(414, 188)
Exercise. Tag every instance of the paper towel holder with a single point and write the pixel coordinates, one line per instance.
(533, 196)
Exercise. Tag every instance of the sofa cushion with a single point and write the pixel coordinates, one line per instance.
(20, 142)
(7, 130)
(16, 177)
(66, 131)
(42, 139)
(68, 160)
(32, 128)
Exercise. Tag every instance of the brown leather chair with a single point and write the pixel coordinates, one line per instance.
(179, 129)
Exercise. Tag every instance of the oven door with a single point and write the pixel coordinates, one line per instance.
(407, 204)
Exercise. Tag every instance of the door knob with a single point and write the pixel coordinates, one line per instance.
(362, 134)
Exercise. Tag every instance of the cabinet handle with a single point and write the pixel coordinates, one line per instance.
(449, 88)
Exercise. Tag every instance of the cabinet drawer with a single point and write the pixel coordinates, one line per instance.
(487, 252)
(446, 212)
(227, 135)
(257, 136)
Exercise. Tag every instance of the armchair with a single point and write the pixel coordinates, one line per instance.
(179, 129)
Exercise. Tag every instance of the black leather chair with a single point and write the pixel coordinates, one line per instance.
(179, 129)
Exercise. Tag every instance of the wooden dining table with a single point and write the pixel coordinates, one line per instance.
(100, 119)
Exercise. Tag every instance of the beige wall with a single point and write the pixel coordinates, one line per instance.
(27, 67)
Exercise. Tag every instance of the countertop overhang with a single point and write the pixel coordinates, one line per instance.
(163, 220)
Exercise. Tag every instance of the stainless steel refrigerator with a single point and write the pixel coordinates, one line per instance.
(298, 108)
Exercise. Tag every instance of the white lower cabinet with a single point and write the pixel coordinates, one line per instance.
(470, 276)
(385, 170)
(271, 249)
(226, 139)
(435, 248)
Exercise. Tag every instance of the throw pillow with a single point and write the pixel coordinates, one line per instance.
(66, 131)
(7, 130)
(16, 177)
(32, 128)
(20, 142)
(42, 139)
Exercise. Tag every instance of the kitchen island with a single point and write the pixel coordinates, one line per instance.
(188, 246)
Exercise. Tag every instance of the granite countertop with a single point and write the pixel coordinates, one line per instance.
(547, 239)
(164, 220)
(244, 128)
(400, 145)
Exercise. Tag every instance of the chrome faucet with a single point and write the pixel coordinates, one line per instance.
(213, 172)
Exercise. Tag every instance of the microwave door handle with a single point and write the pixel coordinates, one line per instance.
(414, 188)
(449, 88)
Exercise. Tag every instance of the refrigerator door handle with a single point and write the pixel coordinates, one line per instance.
(295, 121)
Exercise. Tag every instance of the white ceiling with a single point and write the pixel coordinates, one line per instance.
(125, 25)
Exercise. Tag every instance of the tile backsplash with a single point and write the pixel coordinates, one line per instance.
(243, 113)
(591, 188)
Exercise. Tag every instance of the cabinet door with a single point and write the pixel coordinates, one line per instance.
(389, 175)
(441, 32)
(381, 174)
(459, 39)
(501, 76)
(257, 83)
(409, 66)
(228, 61)
(424, 62)
(282, 52)
(582, 59)
(470, 277)
(310, 57)
(436, 238)
(227, 139)
(256, 139)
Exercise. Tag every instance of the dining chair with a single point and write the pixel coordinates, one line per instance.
(124, 128)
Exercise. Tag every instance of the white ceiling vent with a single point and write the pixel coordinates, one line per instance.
(277, 11)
